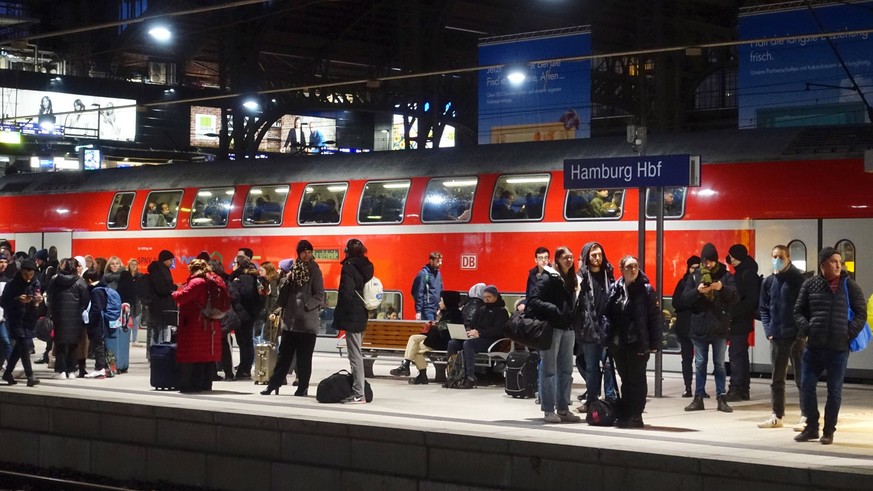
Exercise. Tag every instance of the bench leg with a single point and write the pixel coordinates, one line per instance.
(368, 367)
(440, 372)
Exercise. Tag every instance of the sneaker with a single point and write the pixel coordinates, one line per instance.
(353, 399)
(806, 435)
(72, 375)
(771, 422)
(97, 374)
(551, 418)
(567, 417)
(801, 425)
(59, 376)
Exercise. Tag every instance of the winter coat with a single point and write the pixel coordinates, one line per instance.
(427, 289)
(779, 294)
(245, 291)
(69, 297)
(162, 288)
(682, 308)
(822, 316)
(468, 313)
(748, 292)
(551, 301)
(198, 339)
(438, 336)
(634, 315)
(351, 314)
(594, 291)
(127, 291)
(96, 327)
(490, 318)
(710, 317)
(20, 317)
(301, 305)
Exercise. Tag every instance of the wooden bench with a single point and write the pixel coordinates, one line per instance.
(388, 338)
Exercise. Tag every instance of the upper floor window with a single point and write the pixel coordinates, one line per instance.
(674, 203)
(162, 209)
(264, 205)
(846, 248)
(383, 201)
(797, 251)
(449, 199)
(211, 207)
(322, 203)
(594, 203)
(119, 212)
(519, 197)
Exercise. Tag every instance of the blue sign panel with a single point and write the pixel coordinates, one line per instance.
(801, 82)
(552, 103)
(632, 172)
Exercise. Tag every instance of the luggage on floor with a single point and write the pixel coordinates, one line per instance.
(338, 386)
(119, 345)
(455, 372)
(164, 371)
(522, 374)
(265, 362)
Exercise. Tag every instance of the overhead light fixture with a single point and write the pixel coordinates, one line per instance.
(160, 33)
(251, 104)
(516, 74)
(527, 180)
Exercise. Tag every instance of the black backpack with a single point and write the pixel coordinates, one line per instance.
(604, 412)
(455, 371)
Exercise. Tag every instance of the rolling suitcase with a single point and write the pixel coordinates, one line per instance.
(522, 374)
(265, 354)
(164, 371)
(119, 345)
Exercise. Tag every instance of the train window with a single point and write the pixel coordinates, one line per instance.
(392, 306)
(509, 299)
(847, 249)
(264, 205)
(449, 199)
(674, 203)
(797, 251)
(670, 340)
(325, 317)
(519, 197)
(161, 209)
(211, 207)
(322, 203)
(383, 201)
(119, 212)
(585, 204)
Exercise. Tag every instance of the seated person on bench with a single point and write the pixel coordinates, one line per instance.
(436, 338)
(487, 327)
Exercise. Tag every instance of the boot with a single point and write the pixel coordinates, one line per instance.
(469, 383)
(31, 381)
(402, 370)
(421, 379)
(723, 405)
(687, 392)
(733, 395)
(696, 404)
(7, 376)
(745, 395)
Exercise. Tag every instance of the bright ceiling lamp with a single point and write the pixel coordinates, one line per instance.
(160, 33)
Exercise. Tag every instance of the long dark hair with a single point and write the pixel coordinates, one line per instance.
(355, 248)
(570, 279)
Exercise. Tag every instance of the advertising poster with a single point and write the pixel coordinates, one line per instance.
(801, 82)
(554, 100)
(290, 134)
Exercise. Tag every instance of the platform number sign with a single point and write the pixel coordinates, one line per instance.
(469, 261)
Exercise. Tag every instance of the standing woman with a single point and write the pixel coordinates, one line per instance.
(112, 272)
(270, 275)
(198, 338)
(683, 325)
(351, 314)
(301, 300)
(127, 289)
(68, 297)
(552, 299)
(634, 332)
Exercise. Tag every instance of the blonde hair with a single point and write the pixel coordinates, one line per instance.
(109, 263)
(199, 266)
(131, 261)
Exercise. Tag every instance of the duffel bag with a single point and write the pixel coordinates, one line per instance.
(338, 386)
(534, 333)
(601, 413)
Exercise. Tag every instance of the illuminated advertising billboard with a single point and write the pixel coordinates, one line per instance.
(72, 115)
(290, 134)
(805, 81)
(553, 102)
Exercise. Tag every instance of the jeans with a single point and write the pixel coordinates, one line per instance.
(815, 362)
(137, 322)
(470, 347)
(739, 353)
(598, 366)
(780, 353)
(556, 374)
(356, 361)
(701, 359)
(5, 344)
(634, 385)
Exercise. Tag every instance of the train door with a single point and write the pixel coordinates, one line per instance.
(62, 242)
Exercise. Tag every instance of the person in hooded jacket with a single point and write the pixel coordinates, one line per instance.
(634, 332)
(68, 297)
(427, 288)
(19, 301)
(710, 294)
(473, 303)
(487, 327)
(162, 288)
(552, 300)
(683, 324)
(742, 320)
(595, 281)
(96, 328)
(246, 290)
(351, 313)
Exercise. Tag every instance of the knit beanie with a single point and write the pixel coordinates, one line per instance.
(738, 252)
(709, 252)
(492, 290)
(204, 256)
(303, 245)
(692, 261)
(42, 254)
(826, 254)
(164, 255)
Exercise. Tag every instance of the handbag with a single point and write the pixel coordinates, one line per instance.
(859, 342)
(45, 329)
(533, 333)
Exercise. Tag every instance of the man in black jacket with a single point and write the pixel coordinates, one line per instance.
(822, 317)
(742, 320)
(161, 286)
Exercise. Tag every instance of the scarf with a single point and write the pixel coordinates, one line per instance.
(299, 273)
(706, 278)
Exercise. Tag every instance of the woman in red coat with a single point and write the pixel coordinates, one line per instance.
(198, 339)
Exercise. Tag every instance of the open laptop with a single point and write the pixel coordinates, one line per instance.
(458, 331)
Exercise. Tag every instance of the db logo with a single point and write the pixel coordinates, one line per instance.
(469, 261)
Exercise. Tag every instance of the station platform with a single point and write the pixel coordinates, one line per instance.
(416, 438)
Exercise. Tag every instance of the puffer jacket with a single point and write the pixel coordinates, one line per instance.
(198, 339)
(20, 317)
(351, 314)
(69, 297)
(551, 301)
(634, 315)
(710, 317)
(490, 318)
(822, 316)
(778, 296)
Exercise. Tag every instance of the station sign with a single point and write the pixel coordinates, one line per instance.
(326, 254)
(632, 172)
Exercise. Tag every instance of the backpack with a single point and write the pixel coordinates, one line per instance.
(455, 371)
(218, 301)
(112, 313)
(373, 293)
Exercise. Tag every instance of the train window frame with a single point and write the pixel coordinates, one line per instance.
(684, 191)
(461, 182)
(617, 216)
(326, 186)
(228, 205)
(325, 327)
(249, 206)
(116, 204)
(145, 213)
(802, 266)
(503, 179)
(842, 251)
(398, 184)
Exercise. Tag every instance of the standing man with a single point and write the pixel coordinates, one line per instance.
(427, 288)
(742, 319)
(5, 278)
(822, 317)
(778, 296)
(162, 288)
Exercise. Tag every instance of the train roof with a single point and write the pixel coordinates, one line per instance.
(763, 145)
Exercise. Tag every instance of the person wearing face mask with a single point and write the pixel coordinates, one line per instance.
(778, 295)
(634, 333)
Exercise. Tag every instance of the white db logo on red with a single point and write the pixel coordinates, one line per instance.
(469, 261)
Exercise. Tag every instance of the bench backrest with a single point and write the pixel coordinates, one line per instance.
(390, 333)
